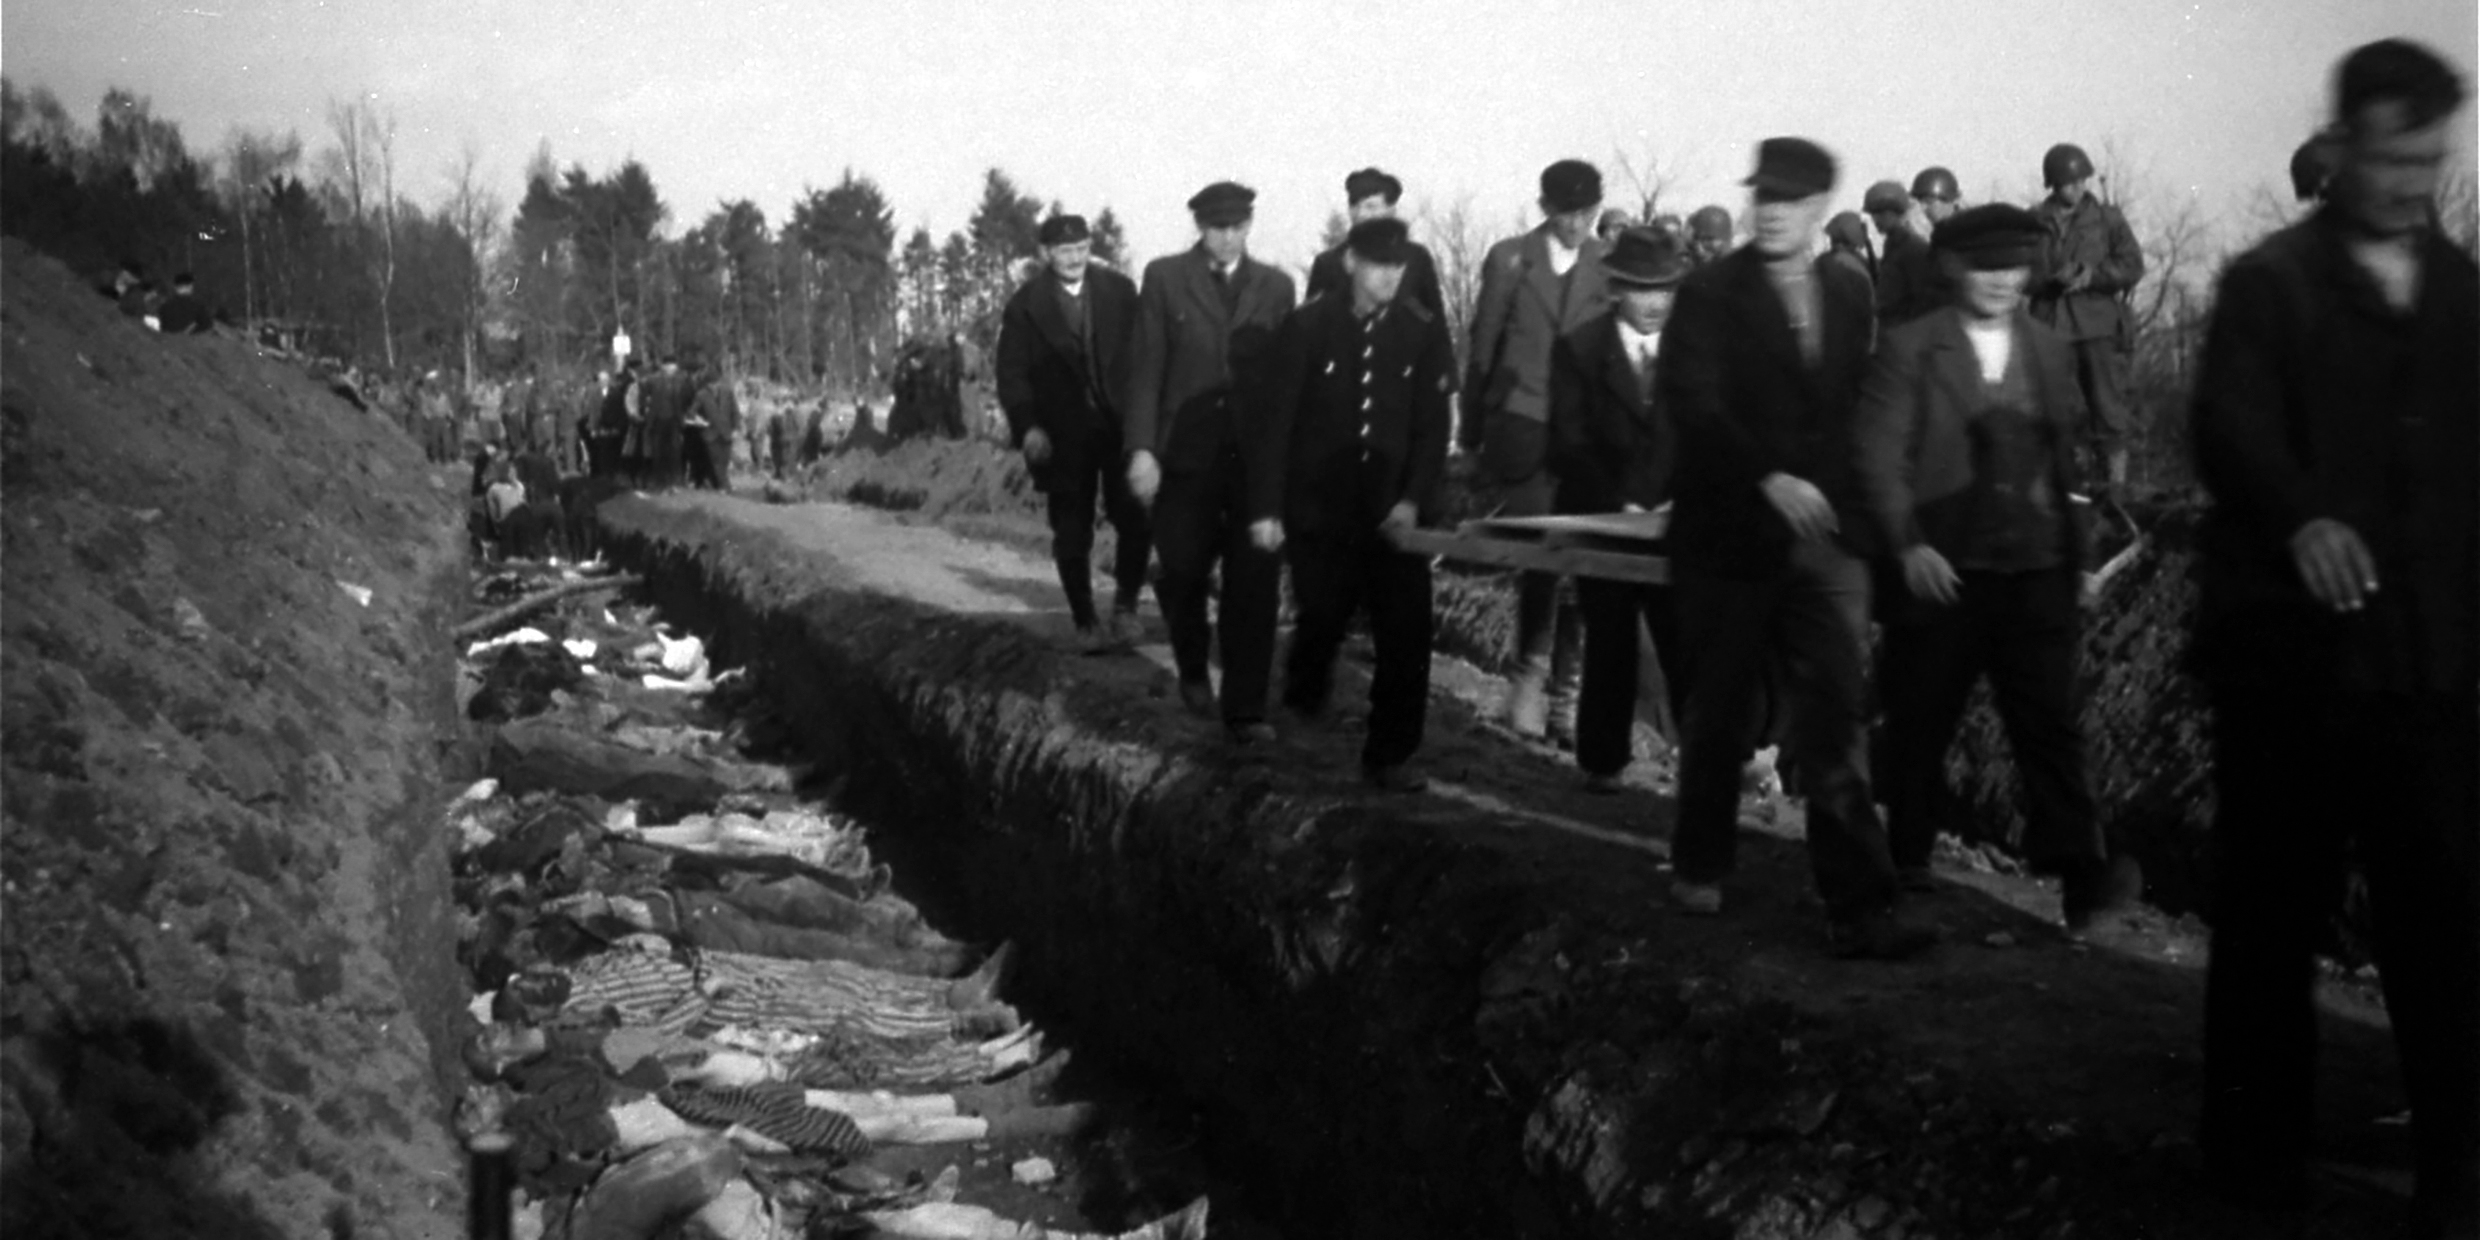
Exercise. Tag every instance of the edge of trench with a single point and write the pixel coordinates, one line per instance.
(1349, 994)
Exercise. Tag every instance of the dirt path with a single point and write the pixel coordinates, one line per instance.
(2090, 1047)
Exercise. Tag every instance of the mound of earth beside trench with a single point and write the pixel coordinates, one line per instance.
(227, 962)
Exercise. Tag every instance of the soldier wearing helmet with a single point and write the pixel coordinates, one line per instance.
(1907, 278)
(2089, 261)
(1709, 234)
(1936, 192)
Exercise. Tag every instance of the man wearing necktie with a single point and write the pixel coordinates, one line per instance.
(1206, 321)
(1612, 446)
(1355, 443)
(1062, 342)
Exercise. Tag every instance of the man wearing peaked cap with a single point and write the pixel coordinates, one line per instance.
(1206, 321)
(1063, 349)
(1760, 365)
(1355, 444)
(1965, 436)
(1535, 288)
(1368, 195)
(1612, 446)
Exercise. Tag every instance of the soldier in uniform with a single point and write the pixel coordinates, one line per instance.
(1206, 321)
(2313, 164)
(1063, 347)
(1937, 193)
(1535, 288)
(2337, 632)
(1759, 367)
(1614, 446)
(2088, 263)
(1368, 195)
(1355, 443)
(1965, 436)
(1907, 285)
(1709, 233)
(1847, 243)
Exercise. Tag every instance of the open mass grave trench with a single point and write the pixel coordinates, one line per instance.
(702, 994)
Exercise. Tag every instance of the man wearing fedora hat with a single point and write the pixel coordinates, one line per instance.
(1369, 195)
(1355, 443)
(1535, 288)
(1966, 428)
(1760, 366)
(1612, 446)
(1063, 340)
(1206, 321)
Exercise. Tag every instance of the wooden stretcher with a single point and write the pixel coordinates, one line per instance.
(1614, 546)
(1622, 546)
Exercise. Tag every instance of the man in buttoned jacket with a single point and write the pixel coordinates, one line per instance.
(1357, 431)
(1063, 340)
(1966, 432)
(1535, 288)
(1206, 321)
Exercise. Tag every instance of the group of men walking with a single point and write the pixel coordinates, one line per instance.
(660, 430)
(1904, 442)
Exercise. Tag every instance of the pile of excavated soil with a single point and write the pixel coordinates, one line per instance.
(227, 978)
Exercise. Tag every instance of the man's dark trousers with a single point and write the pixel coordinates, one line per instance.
(1096, 476)
(2299, 778)
(1333, 578)
(2020, 629)
(1199, 520)
(1606, 707)
(1811, 614)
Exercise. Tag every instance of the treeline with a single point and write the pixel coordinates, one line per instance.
(327, 249)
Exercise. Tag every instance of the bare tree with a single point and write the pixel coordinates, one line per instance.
(1650, 174)
(473, 210)
(252, 161)
(1459, 244)
(362, 170)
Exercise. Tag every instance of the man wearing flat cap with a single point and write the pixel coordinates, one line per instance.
(1356, 441)
(1966, 444)
(1063, 347)
(1206, 321)
(1369, 195)
(1535, 288)
(1613, 447)
(1760, 366)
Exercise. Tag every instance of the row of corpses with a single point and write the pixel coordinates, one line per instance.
(701, 1009)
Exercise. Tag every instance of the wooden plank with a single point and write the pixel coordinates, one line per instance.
(1626, 526)
(1570, 561)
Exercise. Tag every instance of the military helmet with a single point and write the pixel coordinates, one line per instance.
(1710, 223)
(1936, 182)
(1885, 196)
(2313, 166)
(2065, 162)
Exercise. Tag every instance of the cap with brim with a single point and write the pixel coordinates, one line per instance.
(1065, 230)
(1570, 185)
(1223, 204)
(1371, 183)
(1792, 168)
(1645, 257)
(1991, 237)
(1383, 241)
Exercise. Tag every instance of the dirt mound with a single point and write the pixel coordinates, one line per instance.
(227, 966)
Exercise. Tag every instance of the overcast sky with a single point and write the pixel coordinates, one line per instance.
(1136, 105)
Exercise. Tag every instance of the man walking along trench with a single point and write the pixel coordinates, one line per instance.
(1063, 349)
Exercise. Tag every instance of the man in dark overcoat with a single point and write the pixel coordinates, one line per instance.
(1063, 351)
(1206, 321)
